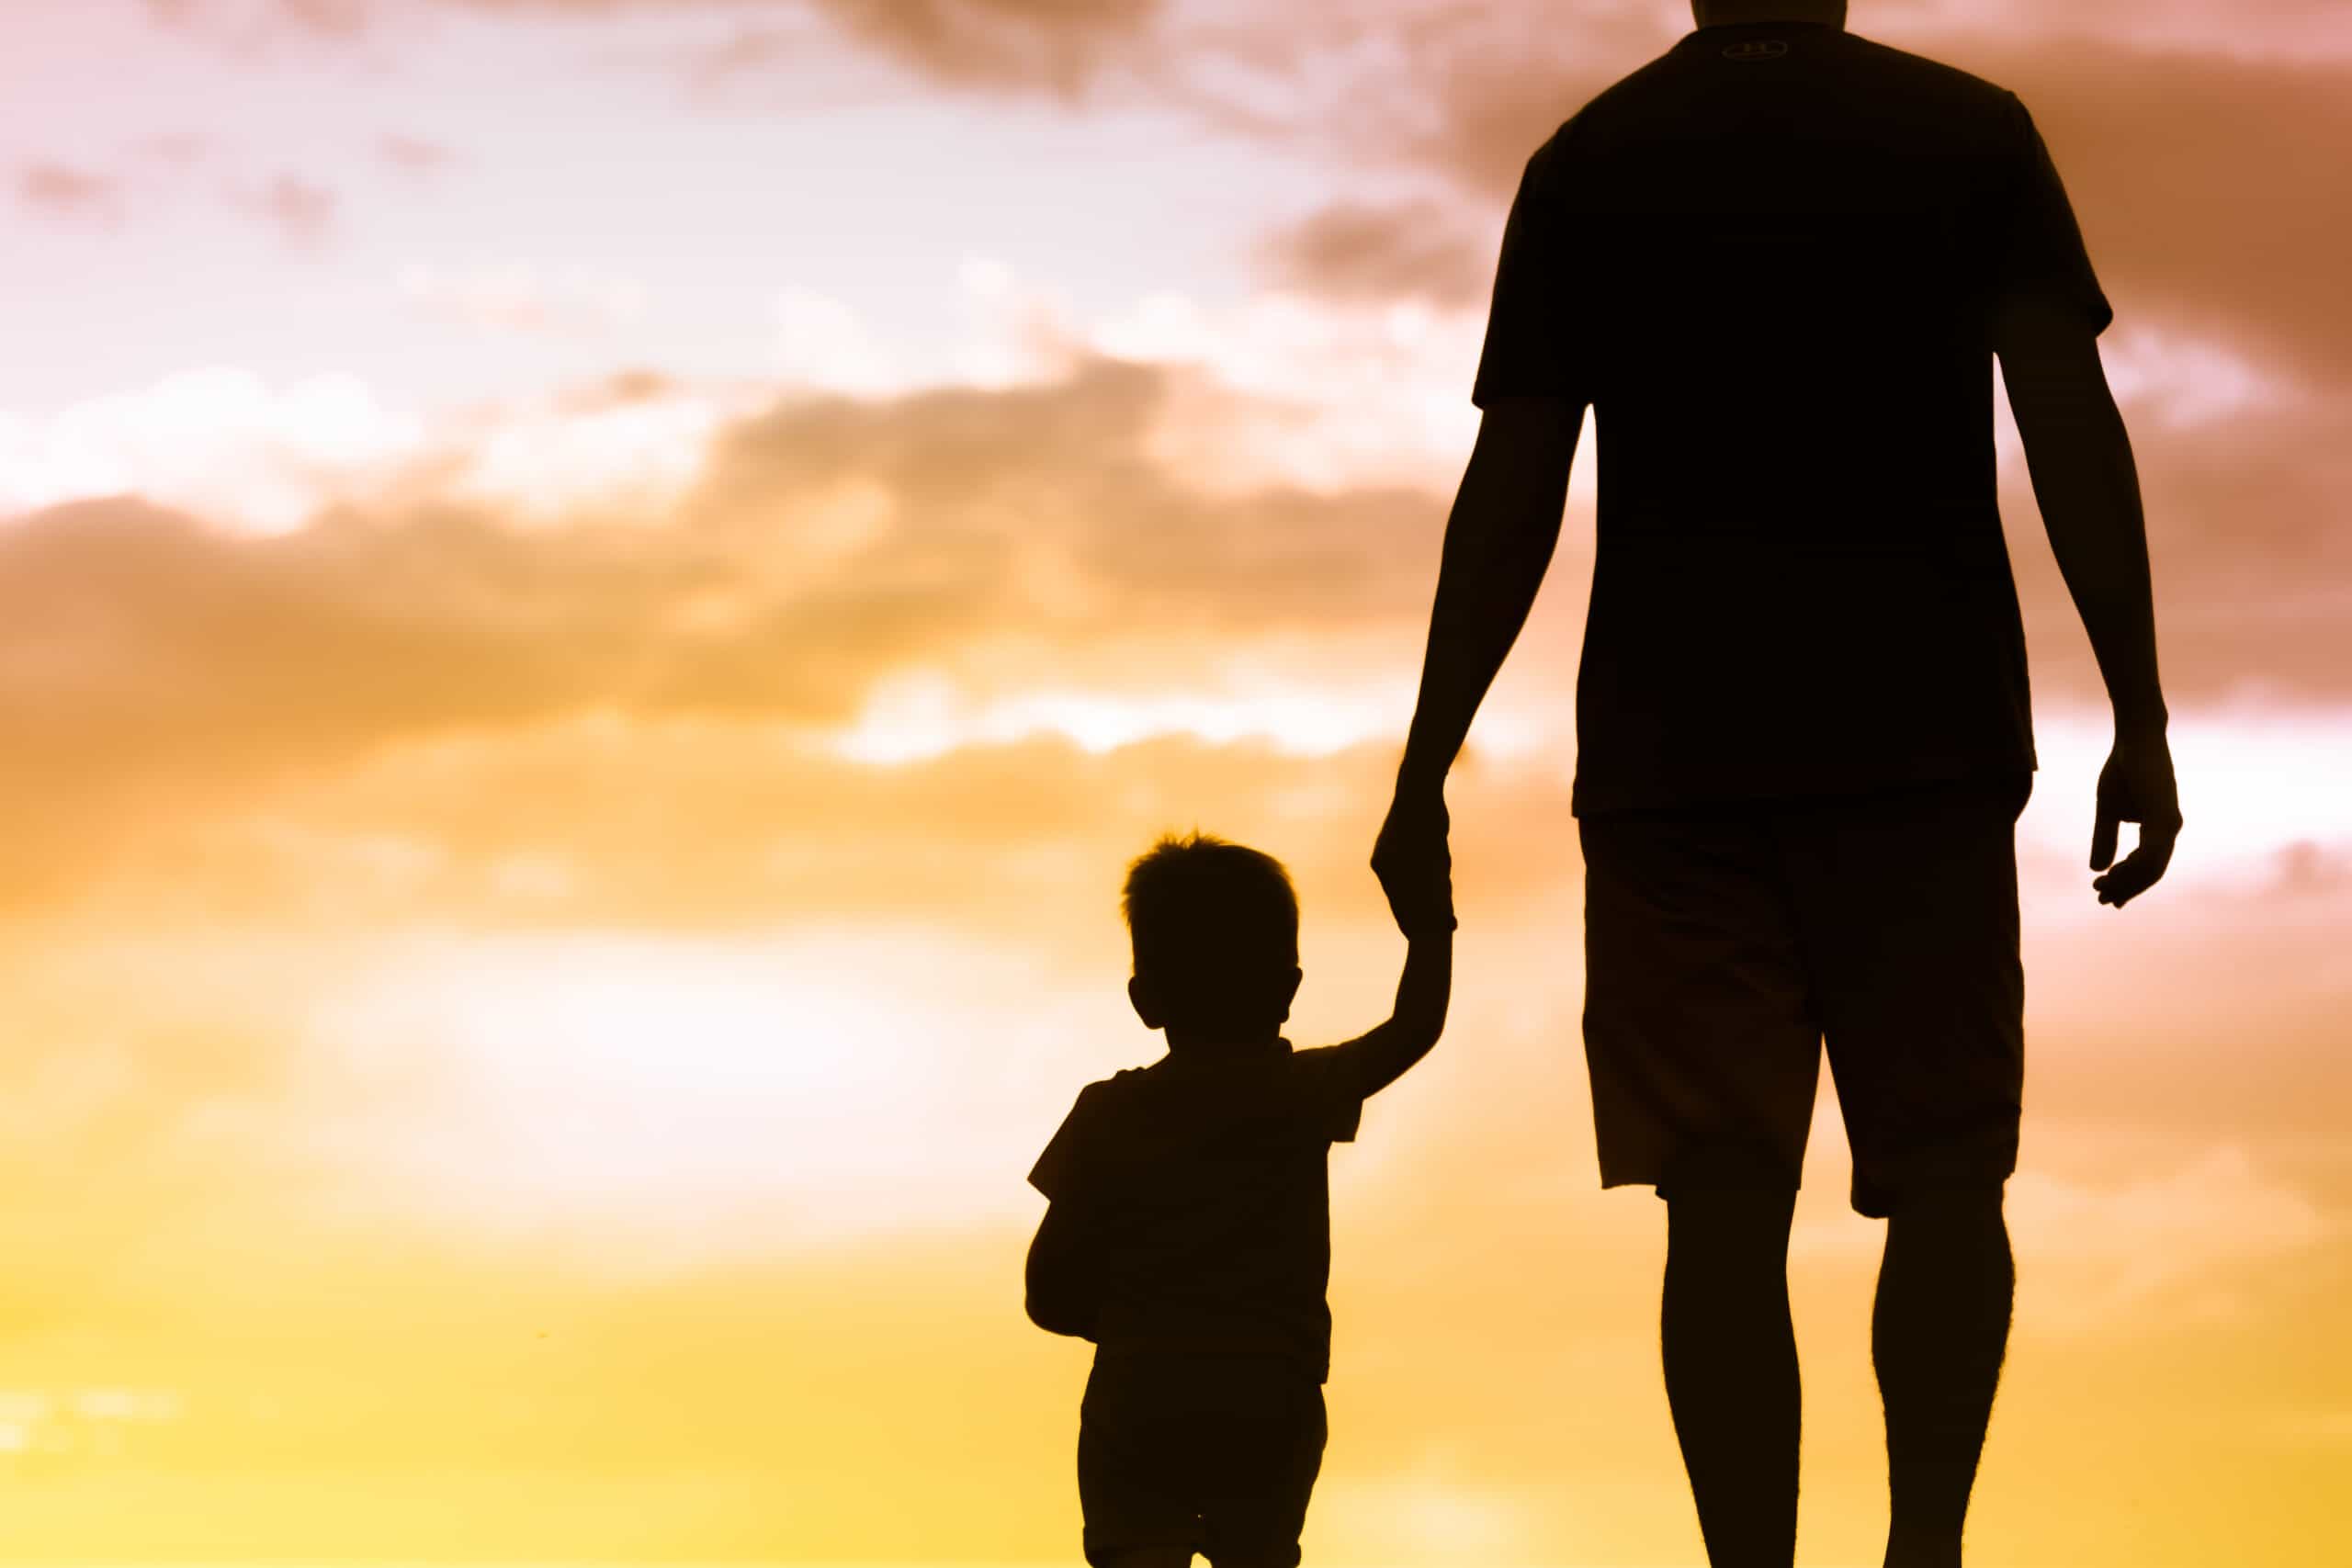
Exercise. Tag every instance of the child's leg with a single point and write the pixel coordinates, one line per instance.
(1137, 1484)
(1267, 1437)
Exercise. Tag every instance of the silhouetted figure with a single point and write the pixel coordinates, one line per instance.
(1778, 262)
(1189, 1232)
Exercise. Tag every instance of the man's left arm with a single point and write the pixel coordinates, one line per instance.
(1534, 383)
(1499, 545)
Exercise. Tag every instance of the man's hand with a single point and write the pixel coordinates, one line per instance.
(1413, 863)
(2136, 785)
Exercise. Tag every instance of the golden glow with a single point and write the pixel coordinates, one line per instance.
(595, 596)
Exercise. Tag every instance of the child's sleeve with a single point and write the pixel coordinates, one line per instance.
(1060, 1170)
(1327, 1093)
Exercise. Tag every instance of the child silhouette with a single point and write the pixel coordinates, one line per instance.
(1188, 1225)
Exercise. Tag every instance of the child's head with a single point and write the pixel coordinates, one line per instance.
(1216, 932)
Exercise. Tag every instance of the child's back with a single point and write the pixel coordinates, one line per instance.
(1208, 1174)
(1189, 1228)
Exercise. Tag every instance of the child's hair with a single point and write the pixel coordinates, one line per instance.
(1205, 914)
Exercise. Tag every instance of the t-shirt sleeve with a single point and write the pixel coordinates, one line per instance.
(1061, 1169)
(1328, 1100)
(1529, 351)
(2039, 249)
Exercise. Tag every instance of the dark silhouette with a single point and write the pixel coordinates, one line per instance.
(1778, 262)
(1188, 1231)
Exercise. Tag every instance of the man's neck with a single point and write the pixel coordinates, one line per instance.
(1732, 13)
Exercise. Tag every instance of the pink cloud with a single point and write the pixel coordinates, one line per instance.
(62, 191)
(301, 210)
(415, 154)
(1360, 249)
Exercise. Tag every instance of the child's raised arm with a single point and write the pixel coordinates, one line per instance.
(1379, 1058)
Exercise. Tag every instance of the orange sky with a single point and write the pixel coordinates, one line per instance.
(593, 596)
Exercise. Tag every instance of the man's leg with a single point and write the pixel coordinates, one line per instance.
(1938, 1332)
(1731, 1368)
(1705, 1050)
(1909, 906)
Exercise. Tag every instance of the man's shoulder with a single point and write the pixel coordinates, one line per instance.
(1664, 84)
(1941, 85)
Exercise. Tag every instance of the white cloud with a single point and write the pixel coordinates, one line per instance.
(619, 459)
(520, 297)
(2298, 29)
(822, 343)
(218, 441)
(225, 445)
(1332, 396)
(2184, 381)
(2255, 784)
(1284, 390)
(2166, 382)
(925, 714)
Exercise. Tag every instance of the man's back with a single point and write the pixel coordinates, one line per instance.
(1770, 259)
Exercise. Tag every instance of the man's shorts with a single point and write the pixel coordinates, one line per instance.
(1724, 945)
(1210, 1454)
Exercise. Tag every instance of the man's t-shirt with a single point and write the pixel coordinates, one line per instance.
(1205, 1177)
(1770, 260)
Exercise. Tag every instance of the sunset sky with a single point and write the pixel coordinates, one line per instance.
(595, 593)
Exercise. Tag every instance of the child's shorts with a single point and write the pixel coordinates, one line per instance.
(1725, 946)
(1210, 1454)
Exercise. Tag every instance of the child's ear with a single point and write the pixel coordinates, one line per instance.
(1288, 991)
(1146, 1000)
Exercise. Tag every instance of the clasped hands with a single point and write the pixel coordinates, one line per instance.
(1413, 862)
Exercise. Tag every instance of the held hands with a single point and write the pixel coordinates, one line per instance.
(2136, 785)
(1415, 867)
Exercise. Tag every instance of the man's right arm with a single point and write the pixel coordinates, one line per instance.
(2088, 489)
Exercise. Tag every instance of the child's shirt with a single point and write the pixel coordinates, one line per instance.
(1205, 1184)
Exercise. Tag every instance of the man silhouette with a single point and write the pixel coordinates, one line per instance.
(1778, 262)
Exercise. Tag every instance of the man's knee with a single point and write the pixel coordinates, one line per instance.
(1733, 1181)
(1955, 1201)
(1727, 1219)
(1956, 1171)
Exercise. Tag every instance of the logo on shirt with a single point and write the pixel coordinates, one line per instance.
(1756, 49)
